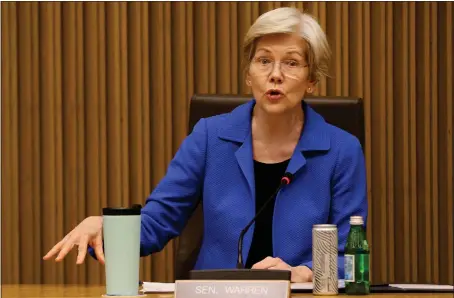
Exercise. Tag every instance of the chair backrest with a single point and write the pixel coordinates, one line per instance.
(344, 112)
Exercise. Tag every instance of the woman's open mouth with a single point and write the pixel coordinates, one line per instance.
(274, 94)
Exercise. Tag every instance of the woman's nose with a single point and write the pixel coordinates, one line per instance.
(276, 74)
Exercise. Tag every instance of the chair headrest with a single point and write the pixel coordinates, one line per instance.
(344, 112)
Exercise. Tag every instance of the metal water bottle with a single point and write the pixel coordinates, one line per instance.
(121, 233)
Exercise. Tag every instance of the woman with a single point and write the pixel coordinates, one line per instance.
(236, 161)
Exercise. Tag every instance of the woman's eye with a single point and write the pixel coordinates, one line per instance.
(264, 61)
(292, 63)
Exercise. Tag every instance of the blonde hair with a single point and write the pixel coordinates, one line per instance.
(291, 20)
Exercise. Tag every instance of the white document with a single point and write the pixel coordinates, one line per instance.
(158, 287)
(423, 287)
(309, 286)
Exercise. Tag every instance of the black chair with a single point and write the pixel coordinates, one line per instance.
(344, 112)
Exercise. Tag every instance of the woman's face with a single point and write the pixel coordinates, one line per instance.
(279, 73)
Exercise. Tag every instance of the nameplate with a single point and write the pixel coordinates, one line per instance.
(232, 288)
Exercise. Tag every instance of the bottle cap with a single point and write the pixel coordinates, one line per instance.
(356, 220)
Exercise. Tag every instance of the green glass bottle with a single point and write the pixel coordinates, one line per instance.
(357, 259)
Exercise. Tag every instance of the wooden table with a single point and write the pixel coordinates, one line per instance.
(65, 291)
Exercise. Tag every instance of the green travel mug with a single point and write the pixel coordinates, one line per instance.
(121, 232)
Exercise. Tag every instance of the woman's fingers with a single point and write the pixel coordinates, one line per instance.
(266, 263)
(281, 266)
(97, 246)
(82, 250)
(301, 274)
(57, 247)
(68, 245)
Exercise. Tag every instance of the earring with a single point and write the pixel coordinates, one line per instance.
(309, 90)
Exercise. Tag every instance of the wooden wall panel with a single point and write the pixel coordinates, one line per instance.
(95, 101)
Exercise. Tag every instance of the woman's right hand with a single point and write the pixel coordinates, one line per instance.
(88, 232)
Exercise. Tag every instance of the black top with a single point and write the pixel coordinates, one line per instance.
(133, 210)
(267, 180)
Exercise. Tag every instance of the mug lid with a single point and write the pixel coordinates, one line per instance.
(133, 210)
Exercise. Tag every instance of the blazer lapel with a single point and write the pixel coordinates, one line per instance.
(237, 129)
(245, 159)
(314, 137)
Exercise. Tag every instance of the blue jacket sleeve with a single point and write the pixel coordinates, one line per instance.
(349, 195)
(169, 206)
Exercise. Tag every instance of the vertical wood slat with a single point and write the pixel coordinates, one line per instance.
(81, 124)
(157, 91)
(179, 73)
(15, 221)
(92, 120)
(345, 16)
(450, 139)
(124, 99)
(10, 252)
(389, 87)
(445, 157)
(212, 44)
(25, 140)
(244, 22)
(190, 53)
(111, 136)
(427, 148)
(413, 167)
(355, 52)
(423, 111)
(134, 102)
(338, 47)
(223, 57)
(433, 98)
(234, 47)
(58, 131)
(114, 189)
(48, 136)
(321, 6)
(167, 59)
(201, 70)
(70, 192)
(378, 131)
(103, 102)
(36, 140)
(5, 146)
(401, 140)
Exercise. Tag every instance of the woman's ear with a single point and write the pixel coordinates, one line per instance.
(311, 87)
(248, 80)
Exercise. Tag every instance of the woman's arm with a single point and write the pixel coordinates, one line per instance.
(169, 206)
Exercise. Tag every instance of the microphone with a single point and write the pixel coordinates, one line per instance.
(247, 274)
(285, 180)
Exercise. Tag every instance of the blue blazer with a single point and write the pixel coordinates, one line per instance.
(216, 160)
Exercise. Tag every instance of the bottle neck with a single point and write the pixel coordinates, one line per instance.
(356, 236)
(357, 227)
